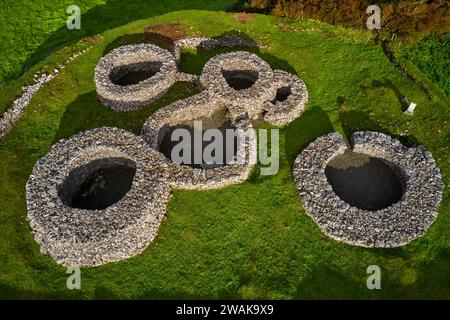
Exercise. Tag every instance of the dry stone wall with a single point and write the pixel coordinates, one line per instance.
(244, 88)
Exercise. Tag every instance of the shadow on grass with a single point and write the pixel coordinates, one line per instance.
(136, 38)
(354, 120)
(325, 282)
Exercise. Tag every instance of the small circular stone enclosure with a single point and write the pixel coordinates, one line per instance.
(374, 192)
(97, 197)
(133, 76)
(290, 99)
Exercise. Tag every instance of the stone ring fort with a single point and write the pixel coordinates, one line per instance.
(79, 220)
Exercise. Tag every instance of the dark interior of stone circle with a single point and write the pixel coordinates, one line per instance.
(134, 73)
(282, 94)
(365, 182)
(240, 79)
(219, 120)
(98, 184)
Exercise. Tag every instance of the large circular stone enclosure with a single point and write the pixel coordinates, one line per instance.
(97, 197)
(374, 192)
(133, 76)
(196, 115)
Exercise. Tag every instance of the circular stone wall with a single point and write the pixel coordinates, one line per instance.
(88, 165)
(203, 108)
(396, 216)
(133, 76)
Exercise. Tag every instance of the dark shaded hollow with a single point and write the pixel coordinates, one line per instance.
(134, 73)
(240, 79)
(282, 94)
(365, 182)
(220, 120)
(98, 184)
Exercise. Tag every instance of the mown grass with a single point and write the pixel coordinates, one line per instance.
(252, 240)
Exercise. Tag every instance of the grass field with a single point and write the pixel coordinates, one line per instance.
(34, 30)
(251, 240)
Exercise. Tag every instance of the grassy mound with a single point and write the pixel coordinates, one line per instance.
(251, 240)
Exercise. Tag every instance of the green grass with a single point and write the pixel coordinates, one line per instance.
(252, 240)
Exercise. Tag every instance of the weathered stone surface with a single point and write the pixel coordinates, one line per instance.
(394, 226)
(198, 107)
(83, 237)
(294, 97)
(224, 68)
(131, 97)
